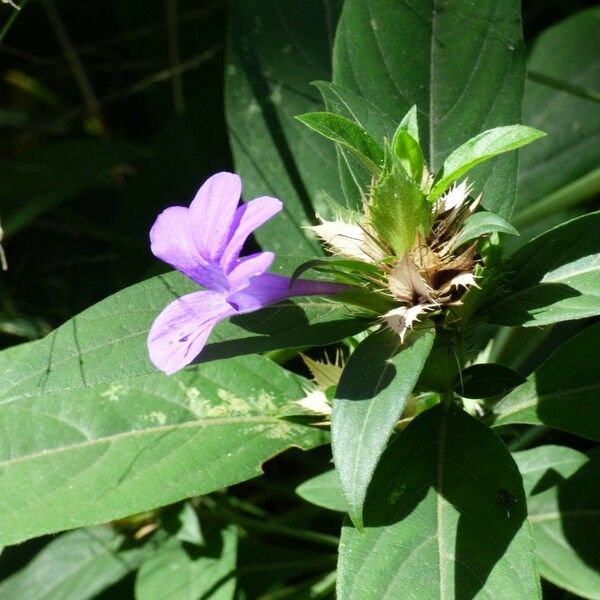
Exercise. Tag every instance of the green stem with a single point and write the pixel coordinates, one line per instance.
(531, 435)
(174, 56)
(11, 20)
(285, 354)
(563, 86)
(570, 195)
(271, 527)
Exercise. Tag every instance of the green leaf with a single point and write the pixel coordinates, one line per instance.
(568, 53)
(370, 398)
(562, 392)
(94, 453)
(398, 209)
(348, 134)
(480, 148)
(546, 466)
(107, 342)
(487, 380)
(400, 54)
(323, 490)
(76, 566)
(409, 153)
(179, 572)
(410, 124)
(45, 176)
(564, 520)
(274, 52)
(342, 101)
(355, 178)
(480, 224)
(434, 526)
(553, 278)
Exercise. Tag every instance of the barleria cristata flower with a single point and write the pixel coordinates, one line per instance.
(415, 241)
(204, 242)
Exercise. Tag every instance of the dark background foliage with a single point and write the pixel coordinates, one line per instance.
(145, 126)
(109, 112)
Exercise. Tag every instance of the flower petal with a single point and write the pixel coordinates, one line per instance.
(212, 214)
(248, 217)
(269, 288)
(247, 268)
(180, 331)
(172, 241)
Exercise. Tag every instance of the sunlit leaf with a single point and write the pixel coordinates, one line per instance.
(399, 54)
(372, 393)
(563, 392)
(434, 525)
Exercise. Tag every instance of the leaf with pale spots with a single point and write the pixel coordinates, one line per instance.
(103, 452)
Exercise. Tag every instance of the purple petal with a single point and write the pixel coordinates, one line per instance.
(179, 333)
(171, 240)
(247, 268)
(212, 213)
(269, 288)
(248, 217)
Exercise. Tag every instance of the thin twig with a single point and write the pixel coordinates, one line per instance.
(85, 86)
(174, 56)
(3, 263)
(563, 86)
(11, 20)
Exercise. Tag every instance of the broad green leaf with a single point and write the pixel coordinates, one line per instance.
(567, 55)
(563, 392)
(565, 529)
(87, 455)
(76, 566)
(324, 490)
(434, 526)
(348, 134)
(400, 54)
(398, 209)
(480, 148)
(107, 342)
(553, 278)
(487, 380)
(546, 466)
(371, 396)
(180, 572)
(275, 49)
(480, 224)
(355, 178)
(45, 176)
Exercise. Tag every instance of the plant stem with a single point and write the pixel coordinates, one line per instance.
(564, 86)
(174, 56)
(271, 527)
(570, 195)
(533, 434)
(11, 20)
(83, 81)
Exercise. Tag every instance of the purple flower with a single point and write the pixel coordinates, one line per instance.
(204, 242)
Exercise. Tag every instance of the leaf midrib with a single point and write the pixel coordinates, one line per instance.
(545, 397)
(109, 439)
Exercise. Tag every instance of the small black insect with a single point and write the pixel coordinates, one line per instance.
(505, 499)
